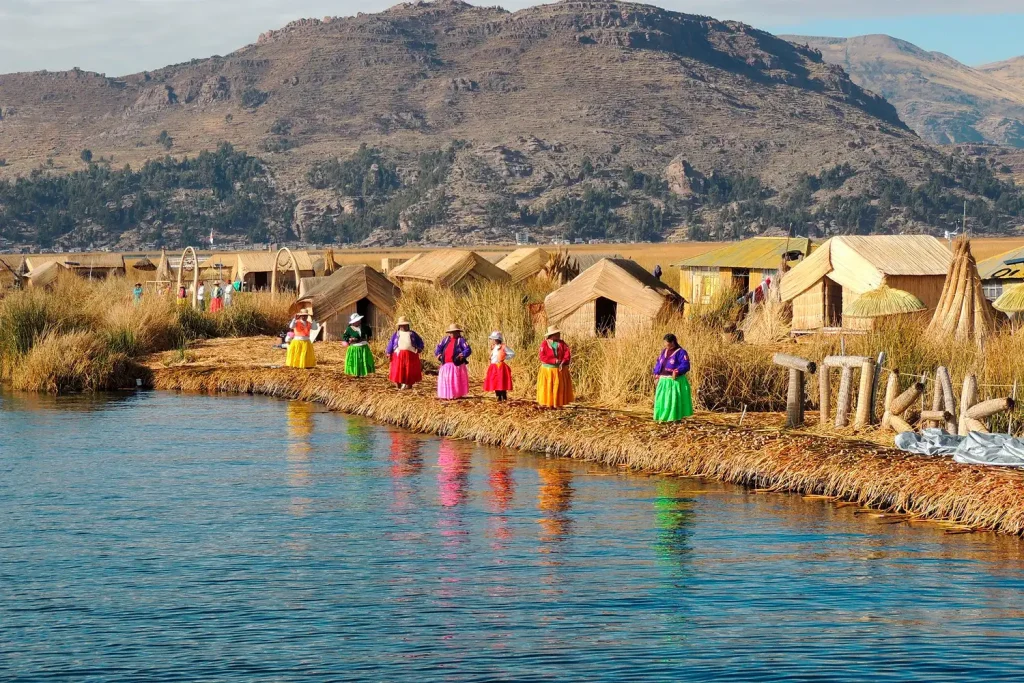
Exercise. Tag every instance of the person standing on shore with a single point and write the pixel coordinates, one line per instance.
(229, 294)
(137, 293)
(182, 295)
(453, 356)
(554, 385)
(672, 399)
(300, 348)
(217, 298)
(499, 375)
(358, 357)
(201, 296)
(404, 351)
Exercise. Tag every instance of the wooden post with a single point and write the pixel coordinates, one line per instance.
(968, 397)
(795, 399)
(867, 381)
(824, 397)
(948, 400)
(892, 389)
(845, 396)
(879, 364)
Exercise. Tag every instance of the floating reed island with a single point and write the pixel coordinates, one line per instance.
(907, 486)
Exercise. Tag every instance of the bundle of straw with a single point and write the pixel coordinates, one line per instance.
(884, 301)
(963, 311)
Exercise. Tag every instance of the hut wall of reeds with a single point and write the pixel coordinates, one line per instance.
(351, 289)
(389, 263)
(743, 265)
(824, 285)
(448, 268)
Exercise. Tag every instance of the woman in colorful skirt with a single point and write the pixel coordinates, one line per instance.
(554, 385)
(300, 348)
(217, 298)
(672, 399)
(499, 375)
(404, 351)
(453, 356)
(358, 357)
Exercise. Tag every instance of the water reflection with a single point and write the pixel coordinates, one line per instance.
(673, 514)
(554, 499)
(300, 452)
(405, 460)
(501, 493)
(453, 473)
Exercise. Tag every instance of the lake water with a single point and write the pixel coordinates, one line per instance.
(158, 537)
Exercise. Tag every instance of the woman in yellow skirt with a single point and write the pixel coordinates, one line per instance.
(554, 385)
(300, 350)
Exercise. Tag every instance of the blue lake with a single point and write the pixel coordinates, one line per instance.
(164, 537)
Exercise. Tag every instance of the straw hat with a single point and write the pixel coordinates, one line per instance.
(496, 336)
(402, 321)
(354, 318)
(453, 328)
(308, 312)
(552, 331)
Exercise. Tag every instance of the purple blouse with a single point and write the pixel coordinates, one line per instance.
(417, 343)
(671, 362)
(461, 347)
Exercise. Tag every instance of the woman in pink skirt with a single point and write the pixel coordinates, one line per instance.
(453, 356)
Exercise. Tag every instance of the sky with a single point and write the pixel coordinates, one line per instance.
(119, 37)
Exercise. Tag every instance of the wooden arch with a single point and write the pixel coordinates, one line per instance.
(195, 274)
(277, 261)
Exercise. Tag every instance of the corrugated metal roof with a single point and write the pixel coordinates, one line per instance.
(995, 268)
(757, 252)
(620, 280)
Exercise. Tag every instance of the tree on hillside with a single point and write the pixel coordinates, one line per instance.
(164, 139)
(87, 156)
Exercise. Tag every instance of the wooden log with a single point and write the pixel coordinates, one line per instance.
(892, 389)
(824, 397)
(935, 416)
(845, 396)
(899, 425)
(844, 361)
(906, 399)
(795, 399)
(936, 404)
(867, 382)
(986, 409)
(968, 397)
(973, 425)
(948, 401)
(795, 363)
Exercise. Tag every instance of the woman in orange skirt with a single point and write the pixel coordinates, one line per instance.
(554, 385)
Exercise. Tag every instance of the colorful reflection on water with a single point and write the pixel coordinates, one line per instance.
(158, 537)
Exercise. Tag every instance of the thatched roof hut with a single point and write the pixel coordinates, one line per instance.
(96, 266)
(614, 296)
(522, 264)
(826, 283)
(351, 289)
(884, 301)
(256, 268)
(46, 274)
(448, 268)
(1011, 300)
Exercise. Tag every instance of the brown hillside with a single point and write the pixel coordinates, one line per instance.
(940, 98)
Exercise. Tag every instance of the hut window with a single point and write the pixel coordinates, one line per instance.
(741, 280)
(993, 290)
(833, 304)
(604, 317)
(703, 284)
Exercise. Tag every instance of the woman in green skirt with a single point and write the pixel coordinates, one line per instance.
(358, 358)
(672, 399)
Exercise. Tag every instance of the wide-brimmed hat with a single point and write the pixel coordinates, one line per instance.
(402, 321)
(354, 318)
(305, 311)
(496, 336)
(453, 328)
(552, 331)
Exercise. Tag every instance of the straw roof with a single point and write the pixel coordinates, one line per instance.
(861, 263)
(585, 260)
(883, 301)
(331, 295)
(496, 258)
(522, 264)
(764, 253)
(963, 310)
(46, 274)
(1011, 301)
(144, 264)
(97, 261)
(266, 262)
(621, 280)
(447, 268)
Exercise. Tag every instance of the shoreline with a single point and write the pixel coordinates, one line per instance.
(860, 472)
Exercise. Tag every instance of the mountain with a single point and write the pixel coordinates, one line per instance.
(940, 98)
(447, 123)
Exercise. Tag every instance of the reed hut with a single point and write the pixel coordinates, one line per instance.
(523, 264)
(255, 269)
(824, 285)
(742, 266)
(963, 311)
(351, 289)
(46, 274)
(98, 266)
(1000, 273)
(614, 296)
(448, 268)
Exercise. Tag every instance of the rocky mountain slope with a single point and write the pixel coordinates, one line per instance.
(940, 98)
(576, 119)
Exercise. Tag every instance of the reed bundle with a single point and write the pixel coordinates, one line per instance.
(963, 311)
(931, 488)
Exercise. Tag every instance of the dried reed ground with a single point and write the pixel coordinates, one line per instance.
(802, 462)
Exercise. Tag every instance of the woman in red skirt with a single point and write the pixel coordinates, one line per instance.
(499, 374)
(404, 350)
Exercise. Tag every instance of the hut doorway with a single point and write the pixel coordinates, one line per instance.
(741, 280)
(604, 316)
(260, 281)
(833, 304)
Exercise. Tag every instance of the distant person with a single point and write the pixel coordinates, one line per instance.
(137, 293)
(300, 348)
(201, 296)
(358, 357)
(657, 272)
(499, 374)
(403, 352)
(452, 355)
(554, 385)
(217, 298)
(229, 295)
(182, 295)
(673, 399)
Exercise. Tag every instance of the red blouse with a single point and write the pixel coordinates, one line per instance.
(548, 356)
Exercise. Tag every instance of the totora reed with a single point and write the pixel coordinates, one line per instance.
(861, 472)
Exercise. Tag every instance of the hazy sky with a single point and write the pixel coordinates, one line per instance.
(126, 36)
